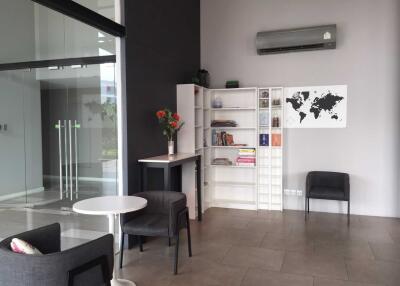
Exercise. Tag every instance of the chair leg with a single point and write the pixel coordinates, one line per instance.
(188, 234)
(305, 208)
(140, 243)
(121, 252)
(169, 242)
(308, 205)
(348, 212)
(176, 255)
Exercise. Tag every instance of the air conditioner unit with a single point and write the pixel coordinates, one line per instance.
(296, 40)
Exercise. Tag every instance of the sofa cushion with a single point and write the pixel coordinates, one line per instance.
(20, 246)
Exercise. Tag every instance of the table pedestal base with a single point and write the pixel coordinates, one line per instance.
(122, 282)
(116, 281)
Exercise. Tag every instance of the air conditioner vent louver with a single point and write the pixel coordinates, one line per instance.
(293, 40)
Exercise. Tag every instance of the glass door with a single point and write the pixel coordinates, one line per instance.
(78, 134)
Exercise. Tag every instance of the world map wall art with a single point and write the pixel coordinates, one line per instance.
(316, 106)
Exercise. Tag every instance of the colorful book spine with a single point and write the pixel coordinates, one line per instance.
(246, 159)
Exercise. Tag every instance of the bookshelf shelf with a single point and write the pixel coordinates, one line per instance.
(234, 184)
(231, 147)
(233, 166)
(234, 128)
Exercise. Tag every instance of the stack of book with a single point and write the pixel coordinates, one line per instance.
(247, 157)
(221, 161)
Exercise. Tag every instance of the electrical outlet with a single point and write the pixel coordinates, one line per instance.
(299, 193)
(286, 192)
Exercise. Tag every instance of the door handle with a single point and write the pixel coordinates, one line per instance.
(60, 156)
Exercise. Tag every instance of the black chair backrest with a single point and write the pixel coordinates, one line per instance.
(327, 179)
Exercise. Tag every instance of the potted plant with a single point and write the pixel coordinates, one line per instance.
(170, 124)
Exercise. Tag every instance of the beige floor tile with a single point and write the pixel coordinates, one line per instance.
(254, 257)
(386, 251)
(316, 265)
(331, 282)
(347, 249)
(200, 272)
(257, 277)
(374, 271)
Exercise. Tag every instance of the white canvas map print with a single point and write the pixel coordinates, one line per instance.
(316, 106)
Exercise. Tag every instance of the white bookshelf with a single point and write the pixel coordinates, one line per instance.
(270, 155)
(190, 101)
(233, 186)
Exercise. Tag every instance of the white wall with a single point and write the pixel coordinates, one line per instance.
(366, 59)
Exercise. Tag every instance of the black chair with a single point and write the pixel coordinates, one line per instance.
(89, 264)
(165, 215)
(327, 186)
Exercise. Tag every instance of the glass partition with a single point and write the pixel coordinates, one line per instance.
(59, 135)
(32, 32)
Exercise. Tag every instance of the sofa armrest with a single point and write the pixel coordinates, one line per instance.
(47, 238)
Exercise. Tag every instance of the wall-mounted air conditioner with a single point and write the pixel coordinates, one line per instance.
(296, 40)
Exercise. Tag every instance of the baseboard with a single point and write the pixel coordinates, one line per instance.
(85, 179)
(21, 194)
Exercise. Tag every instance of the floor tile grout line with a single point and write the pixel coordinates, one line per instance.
(241, 281)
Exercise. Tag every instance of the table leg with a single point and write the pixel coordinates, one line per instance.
(198, 181)
(115, 281)
(167, 178)
(144, 177)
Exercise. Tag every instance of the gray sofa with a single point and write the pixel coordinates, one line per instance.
(89, 264)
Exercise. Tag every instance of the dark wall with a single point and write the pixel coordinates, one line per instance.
(162, 50)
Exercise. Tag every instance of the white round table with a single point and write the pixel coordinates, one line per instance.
(112, 206)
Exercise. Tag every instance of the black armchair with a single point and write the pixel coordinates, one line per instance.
(89, 264)
(327, 186)
(165, 215)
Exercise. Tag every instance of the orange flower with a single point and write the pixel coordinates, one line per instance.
(173, 124)
(176, 116)
(160, 114)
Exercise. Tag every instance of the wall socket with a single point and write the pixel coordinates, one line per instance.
(298, 193)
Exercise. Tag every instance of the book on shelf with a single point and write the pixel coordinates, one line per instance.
(247, 152)
(222, 138)
(245, 164)
(221, 161)
(276, 140)
(246, 159)
(264, 139)
(264, 118)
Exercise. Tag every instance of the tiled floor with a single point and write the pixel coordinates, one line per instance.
(234, 247)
